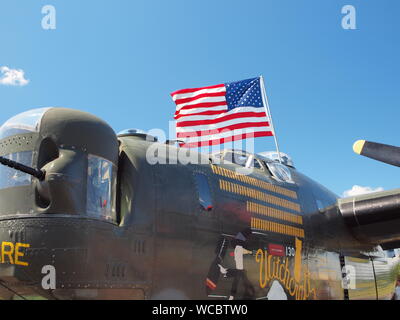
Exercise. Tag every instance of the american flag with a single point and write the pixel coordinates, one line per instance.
(221, 113)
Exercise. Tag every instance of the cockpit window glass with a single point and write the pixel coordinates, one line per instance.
(237, 158)
(254, 163)
(280, 172)
(101, 185)
(257, 164)
(23, 123)
(13, 178)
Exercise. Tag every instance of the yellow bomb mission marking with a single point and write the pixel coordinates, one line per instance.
(13, 253)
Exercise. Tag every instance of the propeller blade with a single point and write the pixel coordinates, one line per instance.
(378, 151)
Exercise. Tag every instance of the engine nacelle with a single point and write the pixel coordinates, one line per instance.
(373, 218)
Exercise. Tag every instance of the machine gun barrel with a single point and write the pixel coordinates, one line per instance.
(39, 174)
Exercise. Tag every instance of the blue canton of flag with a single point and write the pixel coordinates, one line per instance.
(244, 93)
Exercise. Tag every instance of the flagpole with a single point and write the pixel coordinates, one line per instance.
(266, 105)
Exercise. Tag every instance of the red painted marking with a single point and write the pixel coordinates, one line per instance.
(210, 284)
(276, 250)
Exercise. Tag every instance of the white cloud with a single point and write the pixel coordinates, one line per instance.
(12, 77)
(358, 190)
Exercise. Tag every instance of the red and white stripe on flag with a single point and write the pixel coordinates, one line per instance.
(204, 119)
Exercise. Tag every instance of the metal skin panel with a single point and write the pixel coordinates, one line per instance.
(365, 287)
(262, 239)
(70, 245)
(385, 275)
(325, 272)
(81, 131)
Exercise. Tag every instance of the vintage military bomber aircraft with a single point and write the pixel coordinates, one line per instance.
(86, 203)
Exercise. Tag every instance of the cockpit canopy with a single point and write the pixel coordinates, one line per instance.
(278, 171)
(273, 155)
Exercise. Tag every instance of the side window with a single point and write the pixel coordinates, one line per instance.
(204, 193)
(323, 199)
(101, 184)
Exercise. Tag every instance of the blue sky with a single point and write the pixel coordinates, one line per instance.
(327, 86)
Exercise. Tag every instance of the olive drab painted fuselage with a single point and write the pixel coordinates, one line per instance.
(114, 225)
